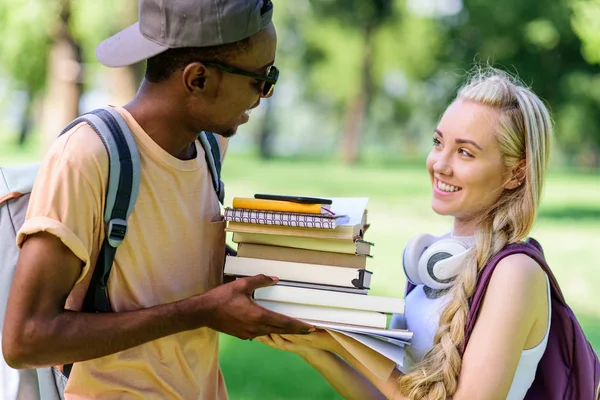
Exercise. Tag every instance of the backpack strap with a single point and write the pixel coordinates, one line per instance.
(122, 191)
(212, 153)
(531, 248)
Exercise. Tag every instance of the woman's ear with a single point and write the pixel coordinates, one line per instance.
(517, 176)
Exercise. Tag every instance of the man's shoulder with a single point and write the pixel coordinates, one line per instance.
(78, 151)
(80, 146)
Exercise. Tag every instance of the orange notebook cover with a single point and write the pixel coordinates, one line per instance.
(276, 205)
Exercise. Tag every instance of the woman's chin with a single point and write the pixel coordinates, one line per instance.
(441, 209)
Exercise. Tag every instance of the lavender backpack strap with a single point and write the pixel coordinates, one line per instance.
(530, 247)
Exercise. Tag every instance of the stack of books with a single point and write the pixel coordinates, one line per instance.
(319, 254)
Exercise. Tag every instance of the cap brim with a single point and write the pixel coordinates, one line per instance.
(127, 47)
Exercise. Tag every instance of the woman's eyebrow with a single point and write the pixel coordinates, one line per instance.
(461, 141)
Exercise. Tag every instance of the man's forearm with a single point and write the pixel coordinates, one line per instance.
(76, 336)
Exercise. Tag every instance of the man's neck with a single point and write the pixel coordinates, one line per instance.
(160, 118)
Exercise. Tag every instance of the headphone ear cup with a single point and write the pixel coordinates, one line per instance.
(412, 253)
(440, 263)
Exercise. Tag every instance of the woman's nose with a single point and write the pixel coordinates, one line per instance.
(442, 165)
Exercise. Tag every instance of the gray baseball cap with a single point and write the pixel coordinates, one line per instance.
(167, 24)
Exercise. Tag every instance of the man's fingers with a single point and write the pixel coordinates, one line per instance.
(275, 330)
(287, 324)
(254, 282)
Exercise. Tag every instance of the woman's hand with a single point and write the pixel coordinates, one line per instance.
(303, 345)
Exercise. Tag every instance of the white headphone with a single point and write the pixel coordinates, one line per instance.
(433, 261)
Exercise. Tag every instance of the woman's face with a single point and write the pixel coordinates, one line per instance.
(465, 164)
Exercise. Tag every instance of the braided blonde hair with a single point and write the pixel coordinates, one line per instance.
(524, 129)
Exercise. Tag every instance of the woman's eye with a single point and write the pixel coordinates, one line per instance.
(464, 152)
(436, 141)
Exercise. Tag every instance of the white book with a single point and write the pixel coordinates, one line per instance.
(397, 334)
(353, 207)
(299, 272)
(288, 294)
(336, 315)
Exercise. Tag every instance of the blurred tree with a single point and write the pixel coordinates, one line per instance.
(586, 23)
(25, 29)
(113, 16)
(368, 17)
(64, 77)
(535, 39)
(348, 53)
(42, 51)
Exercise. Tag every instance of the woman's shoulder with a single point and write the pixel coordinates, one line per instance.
(519, 273)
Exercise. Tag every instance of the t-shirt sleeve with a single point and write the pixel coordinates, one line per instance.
(68, 195)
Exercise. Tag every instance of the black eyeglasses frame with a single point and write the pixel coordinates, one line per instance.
(270, 79)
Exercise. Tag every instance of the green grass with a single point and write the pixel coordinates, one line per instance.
(568, 227)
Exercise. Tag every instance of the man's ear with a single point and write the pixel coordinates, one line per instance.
(517, 176)
(194, 77)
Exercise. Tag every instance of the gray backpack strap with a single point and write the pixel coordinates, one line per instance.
(122, 191)
(212, 153)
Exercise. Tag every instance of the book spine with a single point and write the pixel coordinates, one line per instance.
(335, 246)
(304, 256)
(278, 218)
(340, 232)
(274, 205)
(308, 273)
(328, 288)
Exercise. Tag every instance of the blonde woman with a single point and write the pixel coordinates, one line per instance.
(487, 167)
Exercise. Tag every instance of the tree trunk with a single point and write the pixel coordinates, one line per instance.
(26, 120)
(64, 83)
(357, 107)
(124, 82)
(265, 136)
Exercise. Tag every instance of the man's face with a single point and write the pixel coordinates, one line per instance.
(229, 97)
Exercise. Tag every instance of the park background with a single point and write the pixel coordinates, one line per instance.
(362, 85)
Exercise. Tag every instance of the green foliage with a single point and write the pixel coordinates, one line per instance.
(419, 57)
(25, 29)
(536, 40)
(586, 23)
(93, 21)
(359, 13)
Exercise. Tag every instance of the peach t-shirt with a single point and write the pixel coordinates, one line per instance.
(174, 249)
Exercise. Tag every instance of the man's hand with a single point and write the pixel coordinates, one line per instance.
(231, 310)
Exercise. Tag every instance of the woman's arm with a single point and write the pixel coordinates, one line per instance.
(339, 368)
(513, 317)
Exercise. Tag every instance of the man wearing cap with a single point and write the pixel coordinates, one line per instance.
(209, 63)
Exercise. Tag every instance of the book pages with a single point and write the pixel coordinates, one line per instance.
(376, 358)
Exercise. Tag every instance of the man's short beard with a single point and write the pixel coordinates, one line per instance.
(228, 132)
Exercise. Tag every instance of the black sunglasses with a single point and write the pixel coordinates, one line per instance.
(270, 79)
